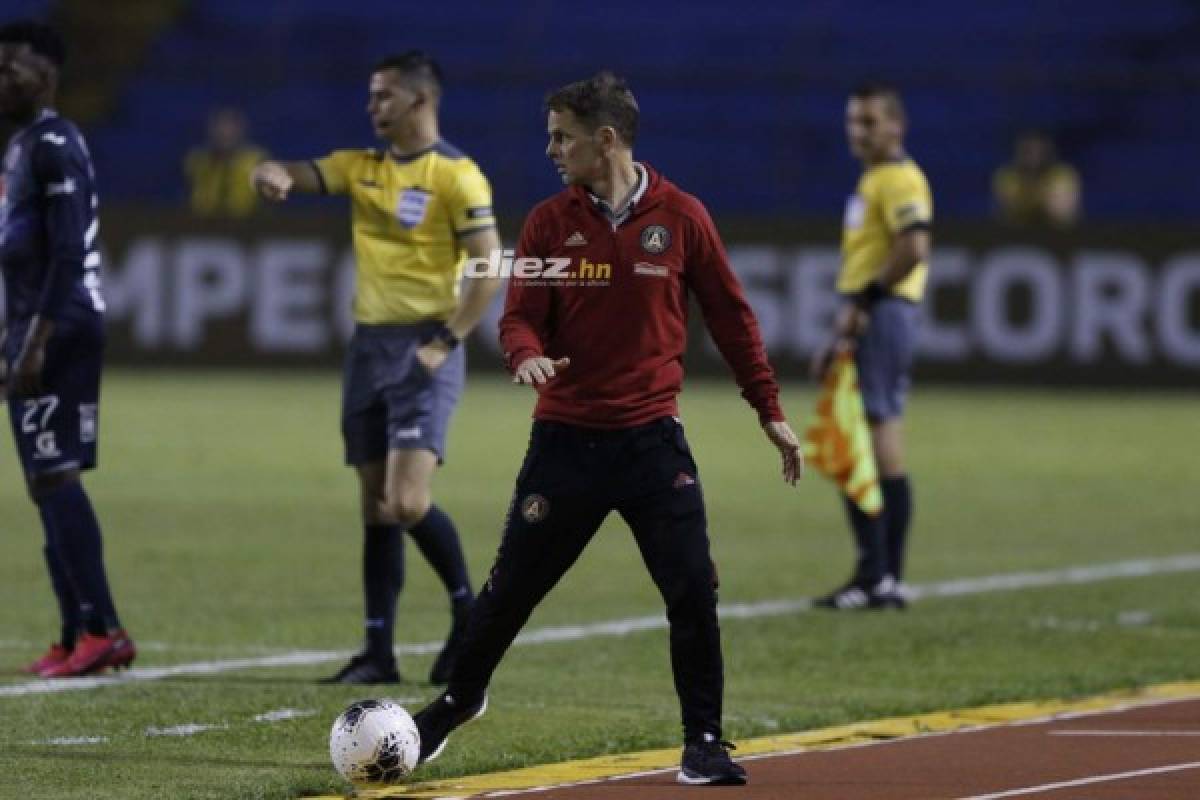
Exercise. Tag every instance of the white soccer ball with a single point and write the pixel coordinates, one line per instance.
(374, 742)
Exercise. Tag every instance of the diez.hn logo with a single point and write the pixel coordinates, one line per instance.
(505, 264)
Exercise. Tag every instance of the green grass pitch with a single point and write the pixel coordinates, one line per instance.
(231, 532)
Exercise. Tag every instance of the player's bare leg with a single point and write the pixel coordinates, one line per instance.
(408, 486)
(887, 438)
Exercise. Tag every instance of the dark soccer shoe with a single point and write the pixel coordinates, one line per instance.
(859, 596)
(366, 668)
(444, 664)
(707, 763)
(438, 720)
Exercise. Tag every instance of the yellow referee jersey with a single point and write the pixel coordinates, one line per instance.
(891, 198)
(408, 217)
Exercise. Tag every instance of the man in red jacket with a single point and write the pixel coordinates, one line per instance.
(596, 322)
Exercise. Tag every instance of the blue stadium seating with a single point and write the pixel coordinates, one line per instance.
(26, 9)
(742, 103)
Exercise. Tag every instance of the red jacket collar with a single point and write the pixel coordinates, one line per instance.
(652, 197)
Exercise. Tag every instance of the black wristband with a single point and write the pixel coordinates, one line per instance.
(447, 337)
(870, 295)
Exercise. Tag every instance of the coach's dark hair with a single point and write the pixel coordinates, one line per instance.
(41, 38)
(415, 65)
(889, 94)
(603, 99)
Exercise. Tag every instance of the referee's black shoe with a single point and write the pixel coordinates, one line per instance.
(437, 721)
(856, 595)
(366, 668)
(707, 763)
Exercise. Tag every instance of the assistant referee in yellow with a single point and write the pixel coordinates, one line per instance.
(886, 236)
(420, 208)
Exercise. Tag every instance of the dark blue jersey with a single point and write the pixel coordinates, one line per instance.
(48, 228)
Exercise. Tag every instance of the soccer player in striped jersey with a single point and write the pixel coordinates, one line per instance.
(54, 342)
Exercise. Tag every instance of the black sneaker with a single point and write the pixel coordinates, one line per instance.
(444, 664)
(707, 763)
(858, 596)
(366, 668)
(437, 721)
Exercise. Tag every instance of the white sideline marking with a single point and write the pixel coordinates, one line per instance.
(163, 647)
(298, 658)
(188, 729)
(807, 750)
(1124, 733)
(69, 741)
(1116, 776)
(284, 714)
(192, 728)
(1188, 562)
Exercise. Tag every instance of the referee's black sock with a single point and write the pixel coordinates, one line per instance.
(438, 540)
(383, 577)
(869, 536)
(897, 510)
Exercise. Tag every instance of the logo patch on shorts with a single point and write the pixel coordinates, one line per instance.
(655, 239)
(47, 446)
(682, 480)
(87, 422)
(534, 508)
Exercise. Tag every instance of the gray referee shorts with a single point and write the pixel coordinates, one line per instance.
(884, 357)
(391, 402)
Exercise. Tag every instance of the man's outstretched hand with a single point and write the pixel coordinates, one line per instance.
(781, 435)
(272, 180)
(539, 369)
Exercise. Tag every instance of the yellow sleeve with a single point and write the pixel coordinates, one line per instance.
(906, 202)
(469, 199)
(335, 170)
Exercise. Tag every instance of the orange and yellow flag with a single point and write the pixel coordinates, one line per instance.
(838, 442)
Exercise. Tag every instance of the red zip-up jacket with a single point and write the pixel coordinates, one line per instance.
(626, 336)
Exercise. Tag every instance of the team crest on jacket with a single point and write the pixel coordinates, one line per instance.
(534, 508)
(411, 207)
(655, 239)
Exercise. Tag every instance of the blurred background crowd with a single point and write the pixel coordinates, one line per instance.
(1071, 127)
(741, 103)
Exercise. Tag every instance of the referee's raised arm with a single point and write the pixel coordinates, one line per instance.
(274, 180)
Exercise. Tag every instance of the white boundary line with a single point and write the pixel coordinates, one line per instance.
(1187, 562)
(1116, 776)
(1124, 733)
(165, 647)
(810, 750)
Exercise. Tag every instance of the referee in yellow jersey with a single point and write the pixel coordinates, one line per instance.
(885, 262)
(420, 208)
